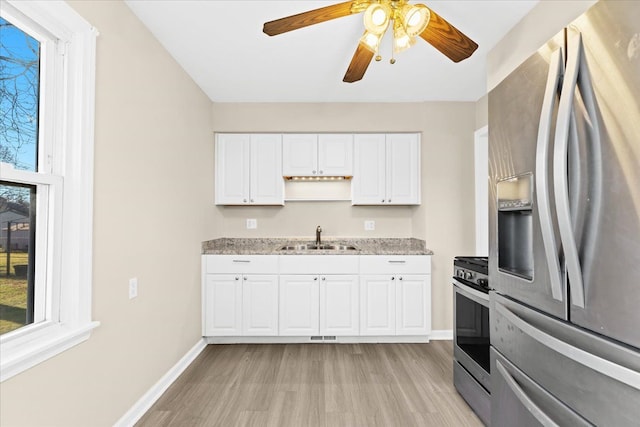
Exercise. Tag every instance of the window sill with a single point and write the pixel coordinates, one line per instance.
(41, 342)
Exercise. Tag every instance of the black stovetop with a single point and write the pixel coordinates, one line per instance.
(479, 264)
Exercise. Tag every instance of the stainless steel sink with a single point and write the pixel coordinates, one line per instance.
(318, 248)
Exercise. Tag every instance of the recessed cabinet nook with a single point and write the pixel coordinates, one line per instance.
(251, 168)
(302, 298)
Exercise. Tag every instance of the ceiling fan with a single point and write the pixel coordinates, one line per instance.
(406, 20)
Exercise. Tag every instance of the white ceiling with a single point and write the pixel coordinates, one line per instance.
(221, 46)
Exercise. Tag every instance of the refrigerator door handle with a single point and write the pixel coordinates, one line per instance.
(523, 398)
(617, 372)
(564, 126)
(554, 81)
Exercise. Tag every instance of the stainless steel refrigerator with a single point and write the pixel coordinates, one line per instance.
(564, 228)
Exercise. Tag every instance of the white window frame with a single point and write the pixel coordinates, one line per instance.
(64, 180)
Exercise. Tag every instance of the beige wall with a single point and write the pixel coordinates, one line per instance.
(153, 150)
(443, 219)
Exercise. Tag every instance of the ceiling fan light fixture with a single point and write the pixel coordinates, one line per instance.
(371, 41)
(415, 18)
(401, 40)
(377, 17)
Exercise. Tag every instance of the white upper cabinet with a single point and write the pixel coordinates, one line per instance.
(386, 169)
(249, 169)
(317, 155)
(335, 154)
(368, 186)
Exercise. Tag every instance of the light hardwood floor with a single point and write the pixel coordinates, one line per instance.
(316, 385)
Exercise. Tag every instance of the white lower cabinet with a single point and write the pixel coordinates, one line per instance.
(316, 295)
(339, 305)
(377, 305)
(413, 304)
(240, 295)
(299, 302)
(395, 298)
(223, 302)
(318, 305)
(260, 305)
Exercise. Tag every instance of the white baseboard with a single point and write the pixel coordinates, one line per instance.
(150, 397)
(442, 334)
(307, 340)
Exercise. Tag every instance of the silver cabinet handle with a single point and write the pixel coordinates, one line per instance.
(251, 200)
(244, 200)
(389, 200)
(315, 278)
(324, 278)
(320, 172)
(591, 361)
(242, 260)
(393, 278)
(397, 261)
(237, 278)
(399, 278)
(382, 200)
(313, 172)
(244, 278)
(523, 398)
(556, 69)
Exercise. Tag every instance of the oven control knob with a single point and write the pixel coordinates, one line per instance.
(483, 282)
(461, 274)
(468, 275)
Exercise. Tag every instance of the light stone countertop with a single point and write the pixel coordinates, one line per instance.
(272, 246)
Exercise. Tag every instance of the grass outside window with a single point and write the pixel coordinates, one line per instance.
(13, 293)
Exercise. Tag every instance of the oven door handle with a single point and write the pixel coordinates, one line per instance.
(477, 296)
(523, 398)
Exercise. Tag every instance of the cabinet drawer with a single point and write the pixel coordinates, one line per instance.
(395, 264)
(319, 264)
(243, 264)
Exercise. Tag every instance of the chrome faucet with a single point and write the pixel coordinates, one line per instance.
(318, 239)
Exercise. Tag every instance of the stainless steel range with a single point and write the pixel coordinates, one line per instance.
(471, 350)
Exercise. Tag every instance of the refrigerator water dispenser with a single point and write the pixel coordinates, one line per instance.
(515, 226)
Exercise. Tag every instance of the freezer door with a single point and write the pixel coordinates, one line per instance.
(515, 113)
(518, 401)
(604, 169)
(596, 378)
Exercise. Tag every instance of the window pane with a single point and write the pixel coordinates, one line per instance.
(17, 250)
(19, 91)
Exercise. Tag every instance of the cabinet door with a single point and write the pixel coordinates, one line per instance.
(267, 185)
(260, 305)
(299, 154)
(413, 305)
(299, 305)
(232, 169)
(335, 154)
(369, 162)
(403, 169)
(223, 305)
(377, 305)
(339, 305)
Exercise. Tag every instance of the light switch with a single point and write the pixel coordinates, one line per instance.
(252, 224)
(369, 225)
(133, 287)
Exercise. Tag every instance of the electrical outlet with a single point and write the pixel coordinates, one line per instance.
(369, 225)
(252, 224)
(133, 287)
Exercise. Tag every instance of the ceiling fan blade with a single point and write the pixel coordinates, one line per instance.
(448, 39)
(311, 17)
(359, 64)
